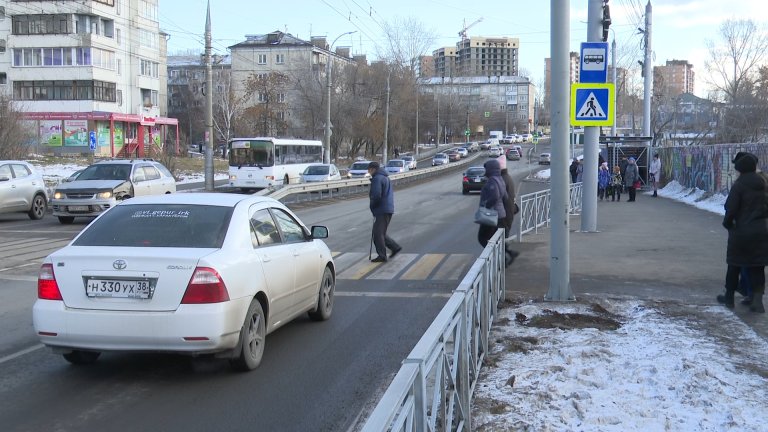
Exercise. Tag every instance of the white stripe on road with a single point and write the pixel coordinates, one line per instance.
(392, 294)
(19, 278)
(20, 353)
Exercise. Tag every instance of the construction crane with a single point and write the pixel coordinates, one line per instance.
(463, 32)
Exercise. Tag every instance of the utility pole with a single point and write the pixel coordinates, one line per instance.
(416, 145)
(559, 259)
(437, 129)
(648, 82)
(615, 105)
(329, 69)
(386, 120)
(209, 140)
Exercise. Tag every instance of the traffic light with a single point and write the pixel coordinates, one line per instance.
(606, 20)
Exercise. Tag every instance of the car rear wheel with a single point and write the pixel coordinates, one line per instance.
(325, 298)
(39, 206)
(77, 357)
(66, 220)
(252, 337)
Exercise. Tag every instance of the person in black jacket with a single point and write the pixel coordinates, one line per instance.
(746, 219)
(573, 169)
(382, 205)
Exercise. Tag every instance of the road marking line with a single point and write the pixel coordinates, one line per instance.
(394, 266)
(423, 267)
(345, 260)
(359, 269)
(452, 267)
(20, 353)
(392, 294)
(19, 266)
(19, 278)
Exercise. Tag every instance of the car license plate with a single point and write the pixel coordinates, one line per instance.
(139, 289)
(78, 208)
(476, 180)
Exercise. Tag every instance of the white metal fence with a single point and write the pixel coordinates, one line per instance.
(433, 389)
(534, 208)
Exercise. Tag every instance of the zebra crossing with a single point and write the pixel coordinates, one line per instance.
(18, 253)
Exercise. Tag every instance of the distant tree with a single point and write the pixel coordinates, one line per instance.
(15, 137)
(264, 115)
(227, 108)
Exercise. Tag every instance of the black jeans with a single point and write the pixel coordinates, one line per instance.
(380, 238)
(632, 192)
(756, 278)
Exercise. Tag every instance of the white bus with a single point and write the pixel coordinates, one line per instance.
(257, 163)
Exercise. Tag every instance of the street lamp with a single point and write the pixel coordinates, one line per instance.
(327, 152)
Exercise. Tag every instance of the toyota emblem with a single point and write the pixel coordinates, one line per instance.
(119, 264)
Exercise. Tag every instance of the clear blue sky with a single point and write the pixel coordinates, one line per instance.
(680, 27)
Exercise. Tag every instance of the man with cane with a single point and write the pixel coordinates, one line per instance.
(382, 207)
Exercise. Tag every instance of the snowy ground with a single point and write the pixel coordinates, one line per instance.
(625, 365)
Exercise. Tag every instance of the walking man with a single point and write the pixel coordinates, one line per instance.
(382, 207)
(654, 172)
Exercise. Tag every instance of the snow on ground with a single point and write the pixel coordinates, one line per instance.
(668, 367)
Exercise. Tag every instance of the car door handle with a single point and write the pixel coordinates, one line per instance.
(266, 258)
(295, 252)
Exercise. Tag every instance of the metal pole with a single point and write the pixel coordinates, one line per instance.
(386, 121)
(559, 260)
(209, 139)
(591, 135)
(329, 69)
(615, 85)
(416, 145)
(648, 83)
(437, 126)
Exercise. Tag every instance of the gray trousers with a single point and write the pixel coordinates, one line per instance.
(380, 238)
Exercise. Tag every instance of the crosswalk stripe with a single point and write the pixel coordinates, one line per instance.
(9, 243)
(345, 260)
(40, 253)
(37, 250)
(359, 269)
(452, 267)
(394, 266)
(423, 267)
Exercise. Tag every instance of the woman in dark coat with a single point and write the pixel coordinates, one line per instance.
(492, 196)
(746, 219)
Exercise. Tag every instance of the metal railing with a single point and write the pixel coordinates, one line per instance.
(535, 207)
(433, 389)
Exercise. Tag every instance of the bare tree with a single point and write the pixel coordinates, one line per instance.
(228, 107)
(406, 40)
(734, 62)
(15, 138)
(266, 117)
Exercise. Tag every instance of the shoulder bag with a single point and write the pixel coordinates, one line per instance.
(486, 216)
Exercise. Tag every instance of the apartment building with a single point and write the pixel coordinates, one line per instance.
(574, 63)
(674, 78)
(299, 62)
(478, 57)
(89, 75)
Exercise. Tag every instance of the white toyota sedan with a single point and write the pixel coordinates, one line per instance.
(197, 273)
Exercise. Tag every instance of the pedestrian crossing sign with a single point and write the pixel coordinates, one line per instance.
(592, 104)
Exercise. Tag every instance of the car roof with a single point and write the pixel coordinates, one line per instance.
(199, 198)
(16, 162)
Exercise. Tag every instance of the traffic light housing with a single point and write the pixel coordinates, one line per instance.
(606, 20)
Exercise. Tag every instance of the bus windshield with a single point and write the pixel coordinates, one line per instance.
(251, 153)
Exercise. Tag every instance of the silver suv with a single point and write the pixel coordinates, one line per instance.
(22, 189)
(102, 185)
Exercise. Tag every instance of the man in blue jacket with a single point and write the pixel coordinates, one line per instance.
(382, 207)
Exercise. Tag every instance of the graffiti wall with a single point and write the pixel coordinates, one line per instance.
(709, 167)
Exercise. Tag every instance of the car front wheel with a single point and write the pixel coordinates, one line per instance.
(252, 337)
(39, 206)
(325, 298)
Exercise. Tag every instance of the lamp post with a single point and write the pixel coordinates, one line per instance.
(327, 152)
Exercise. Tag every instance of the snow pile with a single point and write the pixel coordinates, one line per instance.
(695, 197)
(666, 368)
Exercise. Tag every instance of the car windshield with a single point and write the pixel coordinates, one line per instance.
(440, 156)
(159, 225)
(472, 172)
(317, 170)
(106, 172)
(408, 158)
(395, 163)
(360, 166)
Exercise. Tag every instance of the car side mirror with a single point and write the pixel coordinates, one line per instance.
(319, 232)
(4, 178)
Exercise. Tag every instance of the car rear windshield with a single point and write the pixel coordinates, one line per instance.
(159, 225)
(317, 170)
(476, 172)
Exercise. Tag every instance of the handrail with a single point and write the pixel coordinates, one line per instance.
(535, 208)
(433, 389)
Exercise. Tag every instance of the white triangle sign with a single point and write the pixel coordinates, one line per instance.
(591, 108)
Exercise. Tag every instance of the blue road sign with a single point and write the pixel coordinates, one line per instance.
(594, 62)
(92, 138)
(592, 104)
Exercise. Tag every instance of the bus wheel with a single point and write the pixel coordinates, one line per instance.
(286, 180)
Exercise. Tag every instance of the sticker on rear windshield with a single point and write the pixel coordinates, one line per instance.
(161, 214)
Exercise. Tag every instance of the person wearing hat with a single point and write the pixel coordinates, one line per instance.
(510, 208)
(746, 219)
(631, 175)
(492, 196)
(382, 205)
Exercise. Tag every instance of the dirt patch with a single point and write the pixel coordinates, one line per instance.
(522, 344)
(569, 321)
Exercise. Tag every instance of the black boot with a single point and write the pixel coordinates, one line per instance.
(757, 303)
(747, 300)
(726, 299)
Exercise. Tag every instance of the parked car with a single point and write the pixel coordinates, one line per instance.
(495, 151)
(320, 173)
(359, 169)
(463, 152)
(410, 161)
(513, 154)
(440, 159)
(473, 179)
(22, 190)
(395, 166)
(102, 185)
(545, 159)
(201, 273)
(453, 155)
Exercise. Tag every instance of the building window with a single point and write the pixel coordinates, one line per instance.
(149, 97)
(40, 24)
(281, 115)
(119, 98)
(263, 97)
(3, 78)
(65, 90)
(262, 59)
(119, 67)
(118, 37)
(148, 9)
(149, 68)
(281, 97)
(280, 58)
(148, 39)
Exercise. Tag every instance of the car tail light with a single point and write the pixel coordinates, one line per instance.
(205, 286)
(465, 179)
(47, 288)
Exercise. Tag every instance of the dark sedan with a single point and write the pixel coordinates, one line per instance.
(473, 180)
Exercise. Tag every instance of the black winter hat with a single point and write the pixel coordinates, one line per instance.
(738, 155)
(373, 165)
(746, 163)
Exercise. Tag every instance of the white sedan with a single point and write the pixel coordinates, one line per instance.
(197, 273)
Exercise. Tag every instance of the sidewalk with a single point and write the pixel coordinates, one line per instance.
(651, 249)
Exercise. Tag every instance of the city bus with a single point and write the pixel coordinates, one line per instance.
(257, 163)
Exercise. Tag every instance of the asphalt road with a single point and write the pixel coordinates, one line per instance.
(314, 376)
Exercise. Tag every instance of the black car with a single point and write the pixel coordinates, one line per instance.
(473, 180)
